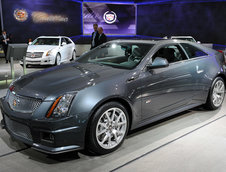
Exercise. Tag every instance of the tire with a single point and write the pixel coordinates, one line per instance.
(57, 59)
(107, 125)
(73, 55)
(216, 94)
(22, 65)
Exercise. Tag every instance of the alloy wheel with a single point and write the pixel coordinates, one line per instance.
(218, 93)
(111, 128)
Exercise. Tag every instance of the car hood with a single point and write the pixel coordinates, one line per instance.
(40, 48)
(53, 82)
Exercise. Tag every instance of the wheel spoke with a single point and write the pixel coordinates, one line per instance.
(101, 132)
(119, 117)
(105, 138)
(115, 137)
(113, 115)
(121, 123)
(108, 117)
(109, 140)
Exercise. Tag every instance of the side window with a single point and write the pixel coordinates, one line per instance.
(173, 53)
(68, 41)
(63, 41)
(193, 51)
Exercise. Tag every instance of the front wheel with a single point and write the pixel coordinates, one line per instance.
(216, 94)
(57, 59)
(108, 128)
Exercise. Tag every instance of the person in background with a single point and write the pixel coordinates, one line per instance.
(102, 37)
(29, 41)
(95, 36)
(5, 40)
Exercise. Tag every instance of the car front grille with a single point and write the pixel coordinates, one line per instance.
(22, 104)
(34, 55)
(18, 129)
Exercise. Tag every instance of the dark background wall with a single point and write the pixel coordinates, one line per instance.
(203, 20)
(22, 31)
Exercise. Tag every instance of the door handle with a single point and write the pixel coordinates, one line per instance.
(132, 78)
(198, 70)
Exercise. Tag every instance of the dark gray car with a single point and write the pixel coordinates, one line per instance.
(118, 86)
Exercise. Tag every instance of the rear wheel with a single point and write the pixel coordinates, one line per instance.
(73, 55)
(108, 128)
(216, 94)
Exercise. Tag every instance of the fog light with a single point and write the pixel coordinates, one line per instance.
(49, 137)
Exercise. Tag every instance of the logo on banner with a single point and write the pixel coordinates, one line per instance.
(20, 15)
(110, 17)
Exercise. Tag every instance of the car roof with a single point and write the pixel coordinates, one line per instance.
(52, 37)
(163, 41)
(181, 37)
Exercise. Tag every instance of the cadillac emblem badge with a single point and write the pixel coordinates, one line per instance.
(20, 15)
(110, 17)
(33, 55)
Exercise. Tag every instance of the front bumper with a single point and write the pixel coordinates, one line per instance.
(50, 60)
(52, 137)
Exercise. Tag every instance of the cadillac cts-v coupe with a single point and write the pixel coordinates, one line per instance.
(119, 86)
(50, 50)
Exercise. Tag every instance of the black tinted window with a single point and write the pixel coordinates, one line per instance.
(68, 41)
(63, 41)
(173, 53)
(46, 41)
(193, 51)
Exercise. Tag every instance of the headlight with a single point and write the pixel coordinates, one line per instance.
(49, 52)
(61, 106)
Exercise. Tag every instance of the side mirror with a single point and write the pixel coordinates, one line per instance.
(63, 44)
(198, 42)
(159, 62)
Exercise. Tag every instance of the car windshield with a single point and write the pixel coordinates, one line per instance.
(46, 41)
(118, 55)
(186, 39)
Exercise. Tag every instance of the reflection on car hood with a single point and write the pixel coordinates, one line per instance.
(54, 81)
(40, 48)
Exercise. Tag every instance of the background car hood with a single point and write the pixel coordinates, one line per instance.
(40, 48)
(55, 81)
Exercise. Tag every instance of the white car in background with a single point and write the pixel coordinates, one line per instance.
(50, 50)
(186, 38)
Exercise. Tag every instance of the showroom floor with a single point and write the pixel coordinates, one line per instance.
(191, 141)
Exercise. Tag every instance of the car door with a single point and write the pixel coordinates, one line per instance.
(199, 66)
(70, 48)
(64, 50)
(166, 89)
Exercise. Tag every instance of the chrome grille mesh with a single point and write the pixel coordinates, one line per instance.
(23, 104)
(34, 55)
(18, 128)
